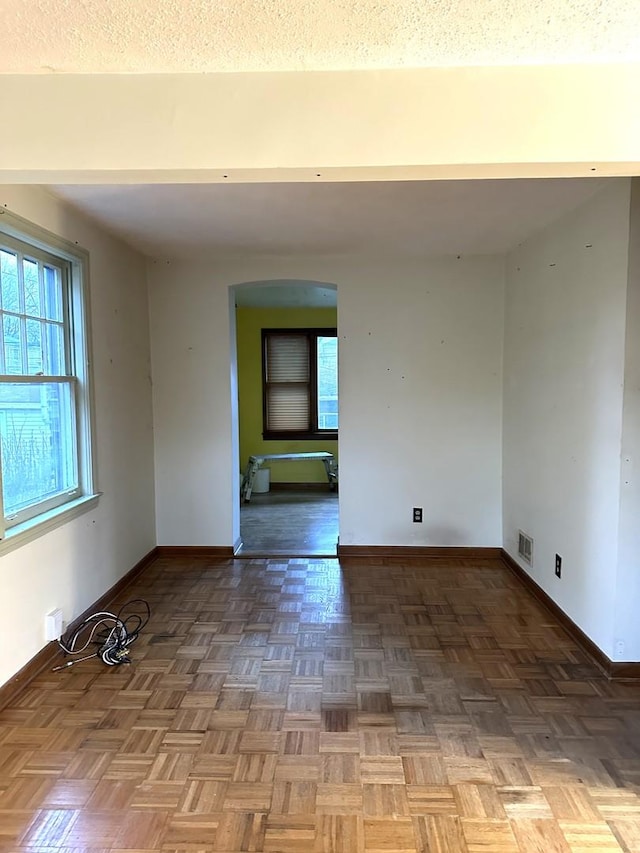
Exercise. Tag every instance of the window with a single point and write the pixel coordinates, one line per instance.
(300, 383)
(45, 459)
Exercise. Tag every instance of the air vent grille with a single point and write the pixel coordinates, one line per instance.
(525, 547)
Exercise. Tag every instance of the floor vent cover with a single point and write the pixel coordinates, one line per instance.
(525, 547)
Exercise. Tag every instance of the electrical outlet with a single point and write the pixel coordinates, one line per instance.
(620, 649)
(53, 625)
(417, 514)
(558, 566)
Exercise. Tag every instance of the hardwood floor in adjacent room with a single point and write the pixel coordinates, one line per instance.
(297, 705)
(301, 522)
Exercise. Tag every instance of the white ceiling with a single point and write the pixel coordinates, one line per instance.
(171, 221)
(162, 36)
(286, 294)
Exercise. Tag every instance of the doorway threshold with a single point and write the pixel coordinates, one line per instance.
(285, 553)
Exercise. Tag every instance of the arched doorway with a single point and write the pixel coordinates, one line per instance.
(287, 423)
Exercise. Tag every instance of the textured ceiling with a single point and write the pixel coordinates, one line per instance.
(162, 36)
(416, 218)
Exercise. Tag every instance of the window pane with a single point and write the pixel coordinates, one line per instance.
(35, 355)
(52, 293)
(9, 280)
(12, 345)
(31, 289)
(327, 382)
(55, 362)
(37, 433)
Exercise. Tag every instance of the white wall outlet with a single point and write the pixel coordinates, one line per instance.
(619, 650)
(53, 625)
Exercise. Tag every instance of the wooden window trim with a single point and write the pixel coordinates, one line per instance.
(312, 434)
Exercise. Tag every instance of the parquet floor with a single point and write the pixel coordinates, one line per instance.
(294, 705)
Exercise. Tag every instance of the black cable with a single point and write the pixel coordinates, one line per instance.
(141, 621)
(111, 633)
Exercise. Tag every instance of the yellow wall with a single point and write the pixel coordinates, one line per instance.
(250, 322)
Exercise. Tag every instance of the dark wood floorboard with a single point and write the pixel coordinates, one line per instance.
(287, 523)
(297, 705)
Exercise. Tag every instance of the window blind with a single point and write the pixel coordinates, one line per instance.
(288, 397)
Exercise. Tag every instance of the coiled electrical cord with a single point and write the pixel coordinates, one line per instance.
(111, 633)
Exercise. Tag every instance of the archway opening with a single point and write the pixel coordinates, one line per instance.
(286, 359)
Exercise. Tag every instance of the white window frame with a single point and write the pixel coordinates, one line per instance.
(36, 242)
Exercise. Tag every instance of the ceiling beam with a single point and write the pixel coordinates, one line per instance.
(524, 121)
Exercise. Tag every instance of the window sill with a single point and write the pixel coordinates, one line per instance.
(19, 535)
(300, 436)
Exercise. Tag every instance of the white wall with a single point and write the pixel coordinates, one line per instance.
(73, 565)
(563, 385)
(627, 623)
(420, 396)
(190, 348)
